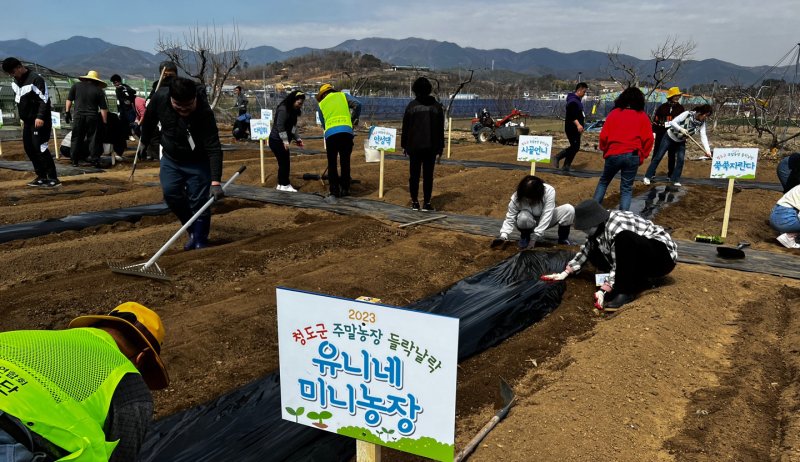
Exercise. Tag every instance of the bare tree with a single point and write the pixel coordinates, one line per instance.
(206, 54)
(668, 57)
(455, 93)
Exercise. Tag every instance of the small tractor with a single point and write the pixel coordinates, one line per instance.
(504, 131)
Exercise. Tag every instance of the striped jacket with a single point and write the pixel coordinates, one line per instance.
(32, 98)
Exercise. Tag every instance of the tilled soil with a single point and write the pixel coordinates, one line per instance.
(701, 368)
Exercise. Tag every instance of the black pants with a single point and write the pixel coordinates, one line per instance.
(639, 259)
(425, 160)
(341, 145)
(85, 133)
(670, 153)
(33, 139)
(569, 153)
(282, 156)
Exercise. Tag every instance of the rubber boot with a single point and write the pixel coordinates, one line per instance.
(190, 243)
(201, 228)
(563, 235)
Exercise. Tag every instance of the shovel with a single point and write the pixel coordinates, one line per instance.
(150, 269)
(508, 400)
(732, 252)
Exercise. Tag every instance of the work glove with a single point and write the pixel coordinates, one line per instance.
(299, 143)
(500, 241)
(599, 299)
(685, 132)
(217, 193)
(554, 277)
(68, 117)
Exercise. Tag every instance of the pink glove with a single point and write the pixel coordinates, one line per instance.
(299, 143)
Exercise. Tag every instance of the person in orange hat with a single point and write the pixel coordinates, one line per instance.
(89, 100)
(661, 119)
(82, 393)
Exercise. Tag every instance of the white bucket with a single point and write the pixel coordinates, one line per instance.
(372, 155)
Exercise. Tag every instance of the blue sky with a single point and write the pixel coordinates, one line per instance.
(740, 31)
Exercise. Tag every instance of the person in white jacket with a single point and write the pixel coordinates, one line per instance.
(685, 125)
(532, 210)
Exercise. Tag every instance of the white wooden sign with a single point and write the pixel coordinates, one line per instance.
(259, 129)
(316, 114)
(266, 114)
(383, 138)
(55, 117)
(376, 373)
(1, 119)
(737, 163)
(534, 148)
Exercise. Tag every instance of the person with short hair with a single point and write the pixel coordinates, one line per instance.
(532, 210)
(422, 140)
(626, 141)
(573, 125)
(241, 100)
(685, 125)
(126, 96)
(785, 218)
(284, 131)
(633, 250)
(191, 164)
(89, 98)
(82, 393)
(789, 171)
(661, 120)
(33, 106)
(338, 113)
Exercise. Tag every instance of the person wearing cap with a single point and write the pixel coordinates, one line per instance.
(661, 120)
(685, 125)
(82, 393)
(33, 105)
(532, 210)
(632, 249)
(422, 140)
(338, 114)
(89, 99)
(191, 161)
(284, 131)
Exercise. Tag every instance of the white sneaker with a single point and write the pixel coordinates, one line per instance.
(279, 187)
(789, 240)
(646, 181)
(676, 184)
(289, 188)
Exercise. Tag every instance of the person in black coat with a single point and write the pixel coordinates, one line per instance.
(284, 131)
(422, 139)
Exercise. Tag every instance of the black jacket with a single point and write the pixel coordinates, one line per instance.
(423, 126)
(284, 124)
(201, 125)
(32, 98)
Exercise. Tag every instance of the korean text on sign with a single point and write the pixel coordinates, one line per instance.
(739, 163)
(383, 138)
(534, 148)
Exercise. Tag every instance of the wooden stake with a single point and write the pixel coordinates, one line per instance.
(449, 131)
(261, 150)
(380, 182)
(728, 201)
(367, 452)
(55, 143)
(1, 147)
(533, 168)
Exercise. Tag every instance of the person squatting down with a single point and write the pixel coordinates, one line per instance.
(785, 218)
(633, 250)
(532, 210)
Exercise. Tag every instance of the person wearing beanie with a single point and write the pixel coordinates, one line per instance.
(633, 250)
(284, 131)
(422, 140)
(338, 114)
(33, 106)
(661, 120)
(532, 210)
(82, 393)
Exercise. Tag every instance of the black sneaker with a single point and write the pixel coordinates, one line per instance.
(427, 207)
(51, 183)
(37, 183)
(414, 205)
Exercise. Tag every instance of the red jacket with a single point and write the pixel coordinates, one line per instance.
(626, 131)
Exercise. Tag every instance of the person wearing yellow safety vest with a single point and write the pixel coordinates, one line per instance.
(338, 113)
(81, 394)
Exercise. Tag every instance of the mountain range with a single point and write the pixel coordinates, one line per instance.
(78, 54)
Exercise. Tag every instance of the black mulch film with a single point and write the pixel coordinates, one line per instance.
(246, 424)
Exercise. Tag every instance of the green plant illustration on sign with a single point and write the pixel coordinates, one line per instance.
(386, 432)
(425, 446)
(319, 417)
(296, 413)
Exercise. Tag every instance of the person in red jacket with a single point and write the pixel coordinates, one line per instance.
(626, 141)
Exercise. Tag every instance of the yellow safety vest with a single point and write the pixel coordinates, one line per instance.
(60, 385)
(335, 110)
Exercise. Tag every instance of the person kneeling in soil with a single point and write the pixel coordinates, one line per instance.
(632, 249)
(785, 218)
(191, 162)
(533, 210)
(81, 393)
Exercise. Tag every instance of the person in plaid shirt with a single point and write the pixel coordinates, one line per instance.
(633, 250)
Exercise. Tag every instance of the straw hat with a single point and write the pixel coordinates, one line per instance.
(139, 324)
(674, 91)
(93, 75)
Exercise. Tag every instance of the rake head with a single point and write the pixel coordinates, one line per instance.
(140, 269)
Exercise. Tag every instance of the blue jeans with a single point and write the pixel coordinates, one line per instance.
(785, 219)
(626, 164)
(784, 171)
(186, 186)
(667, 144)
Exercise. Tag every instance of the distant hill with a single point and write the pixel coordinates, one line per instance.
(78, 54)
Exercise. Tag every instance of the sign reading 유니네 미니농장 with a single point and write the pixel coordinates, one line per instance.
(738, 163)
(534, 148)
(376, 373)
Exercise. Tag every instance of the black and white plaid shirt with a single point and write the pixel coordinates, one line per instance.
(617, 222)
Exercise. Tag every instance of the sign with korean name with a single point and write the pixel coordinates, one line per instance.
(316, 115)
(737, 163)
(383, 138)
(376, 373)
(259, 129)
(534, 149)
(55, 117)
(266, 114)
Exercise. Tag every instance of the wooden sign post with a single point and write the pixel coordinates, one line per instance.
(382, 139)
(449, 131)
(733, 164)
(534, 149)
(259, 130)
(380, 181)
(55, 118)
